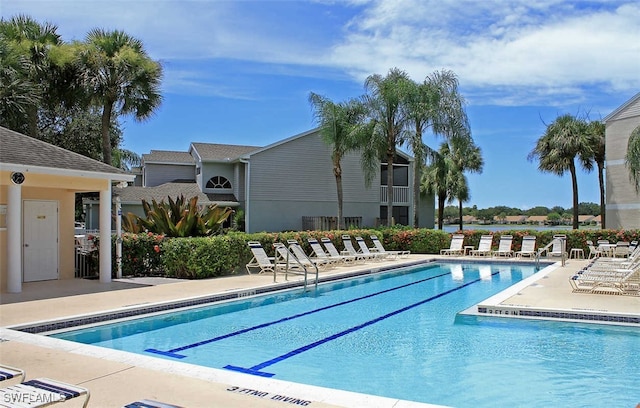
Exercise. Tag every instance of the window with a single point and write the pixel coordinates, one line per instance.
(218, 182)
(400, 214)
(400, 176)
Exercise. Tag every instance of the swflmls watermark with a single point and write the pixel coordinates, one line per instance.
(31, 399)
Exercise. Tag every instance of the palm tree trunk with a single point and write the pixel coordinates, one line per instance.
(417, 174)
(337, 172)
(574, 183)
(460, 213)
(603, 211)
(106, 139)
(441, 199)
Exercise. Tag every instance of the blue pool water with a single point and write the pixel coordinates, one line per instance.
(399, 335)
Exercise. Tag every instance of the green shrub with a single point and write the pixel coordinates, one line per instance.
(140, 254)
(198, 258)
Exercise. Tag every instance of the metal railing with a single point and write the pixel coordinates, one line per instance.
(288, 257)
(400, 195)
(557, 239)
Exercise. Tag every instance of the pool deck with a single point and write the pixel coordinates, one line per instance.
(116, 378)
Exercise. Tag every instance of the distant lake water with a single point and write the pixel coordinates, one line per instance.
(502, 227)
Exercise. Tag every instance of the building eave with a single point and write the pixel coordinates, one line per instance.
(66, 172)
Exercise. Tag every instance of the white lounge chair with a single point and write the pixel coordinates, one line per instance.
(557, 248)
(321, 254)
(594, 251)
(333, 251)
(40, 392)
(364, 249)
(528, 247)
(349, 248)
(455, 248)
(614, 281)
(261, 260)
(484, 246)
(380, 248)
(504, 247)
(303, 258)
(8, 372)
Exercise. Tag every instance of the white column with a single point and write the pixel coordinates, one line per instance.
(118, 238)
(105, 235)
(14, 238)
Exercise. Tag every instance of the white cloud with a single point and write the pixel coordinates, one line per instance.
(543, 50)
(507, 52)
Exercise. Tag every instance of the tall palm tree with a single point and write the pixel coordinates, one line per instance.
(337, 123)
(632, 158)
(466, 156)
(563, 141)
(435, 103)
(34, 41)
(596, 141)
(17, 93)
(121, 77)
(385, 104)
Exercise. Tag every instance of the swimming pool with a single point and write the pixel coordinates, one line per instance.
(398, 335)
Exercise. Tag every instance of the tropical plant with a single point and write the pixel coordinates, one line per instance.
(29, 74)
(632, 158)
(337, 123)
(466, 156)
(179, 218)
(596, 141)
(438, 176)
(435, 103)
(120, 77)
(386, 128)
(564, 140)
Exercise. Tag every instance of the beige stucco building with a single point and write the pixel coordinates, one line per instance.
(38, 183)
(622, 199)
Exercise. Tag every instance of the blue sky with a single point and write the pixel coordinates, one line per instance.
(240, 72)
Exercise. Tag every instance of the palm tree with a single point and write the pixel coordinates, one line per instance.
(121, 78)
(595, 133)
(337, 123)
(466, 156)
(632, 158)
(35, 74)
(387, 127)
(17, 93)
(564, 140)
(439, 177)
(433, 103)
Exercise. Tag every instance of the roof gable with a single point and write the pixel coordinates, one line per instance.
(633, 102)
(24, 150)
(220, 152)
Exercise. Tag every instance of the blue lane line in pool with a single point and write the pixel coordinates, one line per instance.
(173, 352)
(255, 370)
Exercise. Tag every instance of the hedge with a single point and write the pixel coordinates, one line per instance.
(199, 258)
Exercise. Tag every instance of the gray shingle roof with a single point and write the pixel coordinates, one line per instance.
(16, 148)
(213, 151)
(173, 189)
(167, 156)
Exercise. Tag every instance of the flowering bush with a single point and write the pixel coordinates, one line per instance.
(141, 254)
(205, 257)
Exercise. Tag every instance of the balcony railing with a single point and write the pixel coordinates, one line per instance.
(400, 195)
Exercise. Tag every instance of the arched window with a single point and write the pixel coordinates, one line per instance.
(218, 182)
